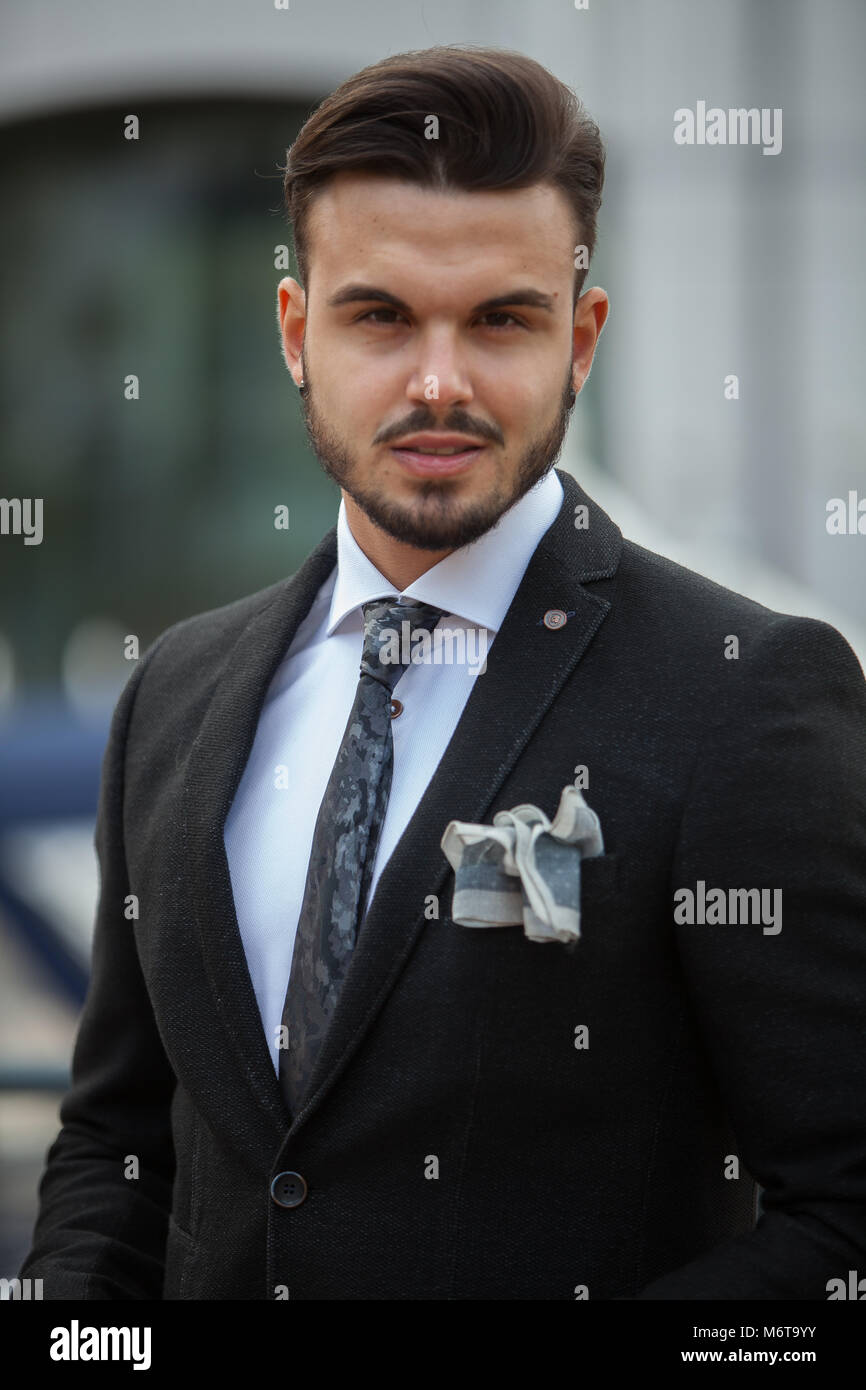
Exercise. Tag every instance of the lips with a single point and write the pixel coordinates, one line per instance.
(431, 440)
(437, 465)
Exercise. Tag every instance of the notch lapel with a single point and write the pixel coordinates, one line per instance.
(527, 665)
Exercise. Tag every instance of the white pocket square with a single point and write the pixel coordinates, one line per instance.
(524, 867)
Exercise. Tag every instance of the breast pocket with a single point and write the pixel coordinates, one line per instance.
(611, 916)
(599, 878)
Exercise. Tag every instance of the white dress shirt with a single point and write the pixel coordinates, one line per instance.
(269, 829)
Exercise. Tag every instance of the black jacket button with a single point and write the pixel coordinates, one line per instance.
(288, 1189)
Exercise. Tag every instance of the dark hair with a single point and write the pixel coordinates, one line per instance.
(504, 122)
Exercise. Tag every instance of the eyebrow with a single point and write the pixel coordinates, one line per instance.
(355, 294)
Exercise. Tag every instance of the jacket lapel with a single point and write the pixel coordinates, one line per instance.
(527, 665)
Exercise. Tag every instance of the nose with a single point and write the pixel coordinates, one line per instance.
(439, 373)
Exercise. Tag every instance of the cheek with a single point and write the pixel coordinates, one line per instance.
(521, 410)
(360, 378)
(344, 390)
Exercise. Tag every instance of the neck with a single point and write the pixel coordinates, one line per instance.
(401, 564)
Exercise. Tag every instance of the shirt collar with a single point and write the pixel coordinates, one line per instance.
(476, 582)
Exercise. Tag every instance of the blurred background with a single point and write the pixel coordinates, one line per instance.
(156, 257)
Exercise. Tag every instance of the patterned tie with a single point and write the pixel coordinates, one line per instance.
(345, 839)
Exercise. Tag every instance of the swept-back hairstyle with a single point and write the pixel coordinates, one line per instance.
(504, 121)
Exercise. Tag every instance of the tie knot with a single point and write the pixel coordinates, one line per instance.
(390, 626)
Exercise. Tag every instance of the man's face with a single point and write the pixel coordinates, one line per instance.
(440, 362)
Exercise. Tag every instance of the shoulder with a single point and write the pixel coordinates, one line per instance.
(656, 586)
(720, 659)
(693, 611)
(206, 636)
(185, 660)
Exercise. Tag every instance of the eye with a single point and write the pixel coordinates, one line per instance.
(502, 314)
(371, 316)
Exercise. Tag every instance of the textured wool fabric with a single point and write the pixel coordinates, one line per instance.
(345, 839)
(493, 1119)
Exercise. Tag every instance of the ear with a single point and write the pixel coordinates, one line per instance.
(292, 320)
(590, 316)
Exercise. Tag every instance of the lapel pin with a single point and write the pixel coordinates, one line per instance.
(555, 617)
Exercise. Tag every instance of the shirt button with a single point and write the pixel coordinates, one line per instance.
(288, 1189)
(396, 708)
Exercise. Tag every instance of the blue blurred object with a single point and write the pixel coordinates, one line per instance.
(50, 761)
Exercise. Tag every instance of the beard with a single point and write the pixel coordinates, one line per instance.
(435, 519)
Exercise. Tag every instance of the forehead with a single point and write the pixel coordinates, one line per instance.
(366, 225)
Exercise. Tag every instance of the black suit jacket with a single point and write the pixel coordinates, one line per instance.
(604, 1168)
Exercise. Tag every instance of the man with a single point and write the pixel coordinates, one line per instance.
(297, 1075)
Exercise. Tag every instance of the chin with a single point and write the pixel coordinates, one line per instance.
(435, 519)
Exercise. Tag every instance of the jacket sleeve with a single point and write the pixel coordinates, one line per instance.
(779, 802)
(100, 1234)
